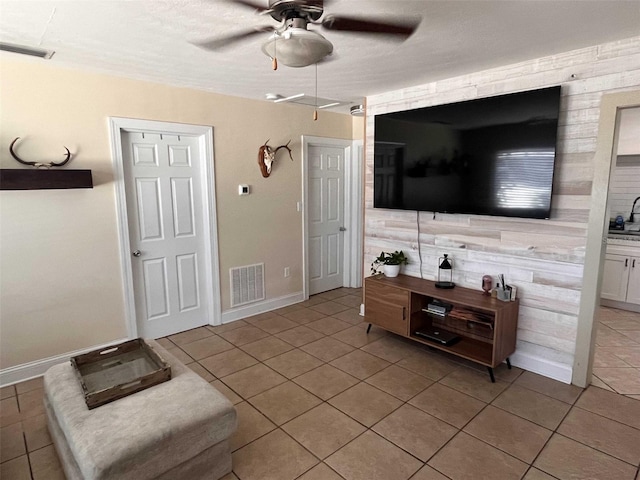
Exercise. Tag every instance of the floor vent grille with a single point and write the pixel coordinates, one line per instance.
(247, 284)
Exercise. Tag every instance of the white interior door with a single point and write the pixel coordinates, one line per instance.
(163, 189)
(325, 218)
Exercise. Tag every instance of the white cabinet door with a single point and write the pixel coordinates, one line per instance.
(615, 277)
(633, 288)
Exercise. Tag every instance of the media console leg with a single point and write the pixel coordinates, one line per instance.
(508, 363)
(493, 379)
(368, 328)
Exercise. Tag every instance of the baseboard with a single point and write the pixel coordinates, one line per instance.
(27, 371)
(547, 368)
(620, 305)
(261, 307)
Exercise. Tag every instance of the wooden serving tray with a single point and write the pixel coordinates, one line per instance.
(115, 372)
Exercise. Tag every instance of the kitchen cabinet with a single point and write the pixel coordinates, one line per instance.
(621, 278)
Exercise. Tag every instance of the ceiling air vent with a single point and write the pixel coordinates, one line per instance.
(24, 50)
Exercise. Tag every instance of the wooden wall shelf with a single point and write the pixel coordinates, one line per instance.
(23, 179)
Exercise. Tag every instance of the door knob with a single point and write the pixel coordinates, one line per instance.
(136, 253)
(343, 229)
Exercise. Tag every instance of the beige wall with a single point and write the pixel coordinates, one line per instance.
(61, 287)
(544, 259)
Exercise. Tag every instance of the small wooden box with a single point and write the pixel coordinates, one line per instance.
(115, 372)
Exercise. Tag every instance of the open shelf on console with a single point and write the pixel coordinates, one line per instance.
(469, 348)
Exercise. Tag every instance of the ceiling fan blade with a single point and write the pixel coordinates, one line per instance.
(251, 4)
(219, 43)
(402, 28)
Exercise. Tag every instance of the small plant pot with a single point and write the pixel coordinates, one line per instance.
(391, 270)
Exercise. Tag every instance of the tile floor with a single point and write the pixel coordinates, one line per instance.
(319, 399)
(616, 364)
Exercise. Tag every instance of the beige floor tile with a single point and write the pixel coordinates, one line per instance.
(407, 426)
(253, 380)
(284, 402)
(276, 456)
(275, 324)
(448, 404)
(227, 326)
(16, 469)
(327, 349)
(605, 357)
(509, 433)
(165, 343)
(391, 348)
(632, 334)
(228, 362)
(365, 403)
(607, 337)
(313, 300)
(622, 380)
(606, 435)
(467, 458)
(243, 335)
(321, 472)
(9, 412)
(547, 386)
(180, 355)
(190, 336)
(229, 476)
(300, 335)
(29, 385)
(630, 355)
(261, 316)
(7, 392)
(567, 459)
(535, 474)
(203, 372)
(371, 457)
(596, 382)
(427, 365)
(232, 396)
(266, 348)
(36, 432)
(332, 294)
(428, 473)
(251, 425)
(45, 464)
(360, 364)
(535, 407)
(351, 301)
(329, 308)
(11, 442)
(351, 316)
(323, 430)
(293, 363)
(31, 403)
(328, 325)
(610, 405)
(325, 381)
(399, 382)
(357, 335)
(474, 383)
(206, 347)
(304, 315)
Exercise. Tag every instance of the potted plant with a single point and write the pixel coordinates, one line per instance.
(389, 263)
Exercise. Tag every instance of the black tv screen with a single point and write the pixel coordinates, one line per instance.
(490, 156)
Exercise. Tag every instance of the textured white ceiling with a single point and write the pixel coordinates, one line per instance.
(149, 39)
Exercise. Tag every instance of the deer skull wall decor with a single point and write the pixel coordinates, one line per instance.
(38, 164)
(267, 155)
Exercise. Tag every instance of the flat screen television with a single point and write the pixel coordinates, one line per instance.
(490, 156)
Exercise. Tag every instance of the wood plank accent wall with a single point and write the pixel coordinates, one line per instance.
(544, 259)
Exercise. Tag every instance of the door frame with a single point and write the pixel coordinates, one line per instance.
(211, 275)
(353, 208)
(597, 229)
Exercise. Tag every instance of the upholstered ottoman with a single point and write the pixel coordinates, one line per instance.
(178, 429)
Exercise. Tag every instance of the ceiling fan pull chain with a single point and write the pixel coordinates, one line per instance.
(315, 111)
(274, 60)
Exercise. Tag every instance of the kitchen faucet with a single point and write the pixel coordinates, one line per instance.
(632, 209)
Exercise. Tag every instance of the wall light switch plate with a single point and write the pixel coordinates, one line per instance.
(243, 190)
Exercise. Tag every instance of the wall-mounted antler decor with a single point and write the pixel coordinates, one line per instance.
(38, 164)
(267, 155)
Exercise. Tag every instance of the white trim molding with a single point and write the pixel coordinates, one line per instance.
(261, 307)
(27, 371)
(542, 366)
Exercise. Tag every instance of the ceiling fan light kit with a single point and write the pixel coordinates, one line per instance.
(297, 47)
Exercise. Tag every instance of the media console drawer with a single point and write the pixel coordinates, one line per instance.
(484, 328)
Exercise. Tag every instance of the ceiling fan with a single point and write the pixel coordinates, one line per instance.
(292, 43)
